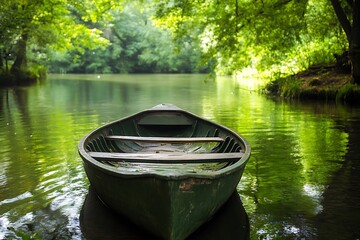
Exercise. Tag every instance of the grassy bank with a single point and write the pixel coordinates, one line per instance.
(318, 83)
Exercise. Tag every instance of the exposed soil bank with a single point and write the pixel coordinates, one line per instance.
(317, 83)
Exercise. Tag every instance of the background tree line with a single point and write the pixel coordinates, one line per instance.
(136, 46)
(263, 37)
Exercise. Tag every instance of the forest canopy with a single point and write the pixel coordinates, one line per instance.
(267, 38)
(272, 37)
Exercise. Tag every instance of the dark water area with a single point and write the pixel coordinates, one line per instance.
(302, 181)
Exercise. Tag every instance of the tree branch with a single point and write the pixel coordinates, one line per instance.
(344, 21)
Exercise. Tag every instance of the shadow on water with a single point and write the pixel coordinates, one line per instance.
(99, 222)
(341, 199)
(340, 202)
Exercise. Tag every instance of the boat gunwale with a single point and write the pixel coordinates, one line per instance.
(122, 172)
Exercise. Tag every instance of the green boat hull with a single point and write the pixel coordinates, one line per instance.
(168, 203)
(172, 209)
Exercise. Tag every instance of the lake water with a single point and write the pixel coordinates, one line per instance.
(302, 181)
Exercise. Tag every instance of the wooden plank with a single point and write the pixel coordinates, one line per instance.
(165, 119)
(165, 139)
(167, 157)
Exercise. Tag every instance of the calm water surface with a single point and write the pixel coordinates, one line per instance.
(302, 181)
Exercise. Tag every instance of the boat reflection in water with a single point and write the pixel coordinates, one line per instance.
(99, 222)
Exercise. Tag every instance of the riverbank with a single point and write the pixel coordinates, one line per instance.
(23, 77)
(317, 83)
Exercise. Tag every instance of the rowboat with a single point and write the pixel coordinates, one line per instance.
(165, 169)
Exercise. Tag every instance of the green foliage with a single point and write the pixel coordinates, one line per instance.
(349, 94)
(28, 28)
(271, 37)
(136, 45)
(26, 236)
(287, 87)
(291, 88)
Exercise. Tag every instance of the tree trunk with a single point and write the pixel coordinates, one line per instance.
(6, 62)
(1, 59)
(355, 65)
(20, 60)
(354, 51)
